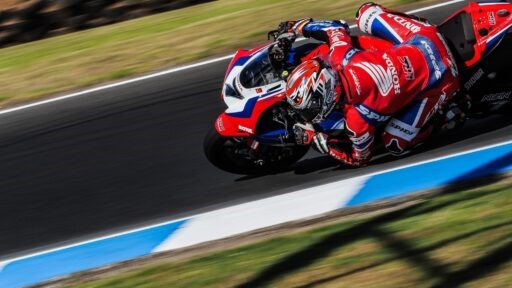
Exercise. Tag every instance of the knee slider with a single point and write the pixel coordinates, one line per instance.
(395, 145)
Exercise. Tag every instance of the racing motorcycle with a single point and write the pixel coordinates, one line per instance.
(255, 134)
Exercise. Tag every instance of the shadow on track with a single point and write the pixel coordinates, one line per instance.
(323, 163)
(474, 128)
(402, 249)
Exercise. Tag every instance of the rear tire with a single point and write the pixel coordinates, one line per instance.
(223, 153)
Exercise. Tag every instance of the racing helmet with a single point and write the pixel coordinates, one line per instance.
(313, 88)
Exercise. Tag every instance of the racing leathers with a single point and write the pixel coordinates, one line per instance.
(396, 90)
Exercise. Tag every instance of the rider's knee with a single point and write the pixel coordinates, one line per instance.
(399, 136)
(400, 139)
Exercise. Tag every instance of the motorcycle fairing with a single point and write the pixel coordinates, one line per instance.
(484, 25)
(232, 124)
(241, 56)
(245, 108)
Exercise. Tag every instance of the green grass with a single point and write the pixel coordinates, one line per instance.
(462, 238)
(107, 53)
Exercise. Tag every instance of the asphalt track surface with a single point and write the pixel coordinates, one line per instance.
(132, 155)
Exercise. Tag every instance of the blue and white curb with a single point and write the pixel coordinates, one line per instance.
(263, 213)
(463, 166)
(43, 266)
(234, 220)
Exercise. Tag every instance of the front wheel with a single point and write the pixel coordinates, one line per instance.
(233, 154)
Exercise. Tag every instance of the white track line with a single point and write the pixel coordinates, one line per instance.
(7, 261)
(169, 71)
(117, 84)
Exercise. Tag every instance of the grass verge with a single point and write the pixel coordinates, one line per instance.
(462, 238)
(85, 58)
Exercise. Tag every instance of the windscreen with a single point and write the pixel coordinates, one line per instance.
(259, 72)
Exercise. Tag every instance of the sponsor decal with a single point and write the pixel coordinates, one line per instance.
(384, 79)
(471, 82)
(220, 124)
(370, 18)
(371, 116)
(401, 128)
(245, 129)
(394, 73)
(437, 106)
(453, 68)
(492, 19)
(497, 97)
(259, 90)
(405, 23)
(398, 129)
(407, 66)
(430, 51)
(451, 61)
(337, 36)
(356, 81)
(348, 56)
(238, 84)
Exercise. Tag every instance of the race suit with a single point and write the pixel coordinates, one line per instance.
(401, 88)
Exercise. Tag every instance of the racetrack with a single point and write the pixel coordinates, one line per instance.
(132, 155)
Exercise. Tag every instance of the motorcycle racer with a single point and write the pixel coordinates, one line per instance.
(397, 90)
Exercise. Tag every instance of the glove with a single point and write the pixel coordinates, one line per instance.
(320, 140)
(279, 51)
(343, 152)
(299, 25)
(285, 41)
(291, 26)
(286, 27)
(304, 133)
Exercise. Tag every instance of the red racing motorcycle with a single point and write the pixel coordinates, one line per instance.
(255, 134)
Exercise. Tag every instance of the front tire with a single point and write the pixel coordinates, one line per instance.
(232, 154)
